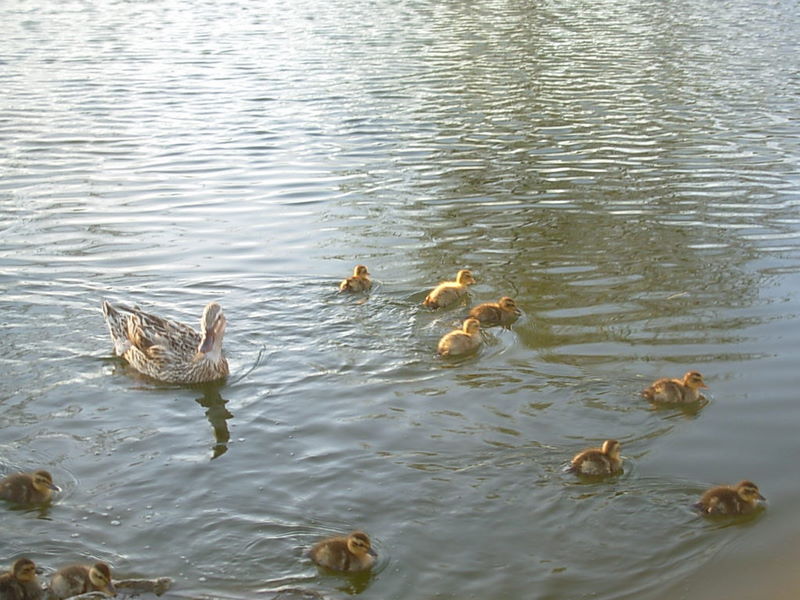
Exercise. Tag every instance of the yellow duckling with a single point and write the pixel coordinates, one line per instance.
(738, 499)
(349, 553)
(20, 583)
(28, 488)
(359, 282)
(450, 292)
(676, 391)
(605, 460)
(81, 579)
(461, 341)
(491, 314)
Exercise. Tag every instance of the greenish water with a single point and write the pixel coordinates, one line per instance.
(628, 172)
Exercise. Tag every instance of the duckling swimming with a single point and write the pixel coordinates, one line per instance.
(80, 579)
(450, 292)
(676, 391)
(605, 460)
(349, 553)
(167, 350)
(28, 488)
(461, 341)
(739, 499)
(491, 314)
(20, 583)
(359, 282)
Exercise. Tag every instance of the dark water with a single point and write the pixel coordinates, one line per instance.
(627, 171)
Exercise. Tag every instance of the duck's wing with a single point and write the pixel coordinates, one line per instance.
(152, 335)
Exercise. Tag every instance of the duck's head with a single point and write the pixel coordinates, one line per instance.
(694, 380)
(360, 271)
(358, 543)
(507, 304)
(471, 326)
(100, 576)
(464, 277)
(24, 570)
(748, 491)
(612, 448)
(43, 482)
(212, 326)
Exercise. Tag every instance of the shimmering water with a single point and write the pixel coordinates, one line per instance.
(628, 171)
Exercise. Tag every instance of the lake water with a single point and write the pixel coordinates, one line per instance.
(627, 171)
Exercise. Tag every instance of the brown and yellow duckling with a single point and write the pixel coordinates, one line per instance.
(350, 553)
(605, 460)
(461, 341)
(739, 499)
(450, 292)
(81, 579)
(20, 583)
(359, 282)
(676, 391)
(28, 488)
(504, 312)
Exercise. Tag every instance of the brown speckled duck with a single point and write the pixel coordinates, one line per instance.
(450, 292)
(167, 350)
(28, 488)
(676, 391)
(80, 579)
(461, 341)
(359, 282)
(349, 553)
(20, 583)
(491, 314)
(739, 499)
(605, 460)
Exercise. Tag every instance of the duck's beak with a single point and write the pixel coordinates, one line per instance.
(760, 497)
(54, 487)
(372, 552)
(207, 343)
(111, 589)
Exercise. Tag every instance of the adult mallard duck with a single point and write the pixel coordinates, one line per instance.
(167, 350)
(20, 582)
(81, 579)
(605, 460)
(28, 488)
(461, 341)
(739, 499)
(676, 391)
(491, 314)
(349, 553)
(450, 292)
(359, 282)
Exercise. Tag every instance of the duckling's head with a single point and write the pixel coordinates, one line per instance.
(212, 325)
(464, 277)
(748, 491)
(100, 576)
(612, 448)
(43, 482)
(360, 271)
(694, 380)
(508, 304)
(471, 326)
(358, 543)
(24, 570)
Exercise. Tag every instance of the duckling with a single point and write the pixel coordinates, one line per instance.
(28, 488)
(605, 460)
(450, 292)
(676, 390)
(349, 553)
(359, 282)
(20, 583)
(738, 499)
(461, 341)
(80, 579)
(491, 314)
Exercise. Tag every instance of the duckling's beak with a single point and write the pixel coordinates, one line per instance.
(54, 487)
(760, 497)
(372, 552)
(111, 589)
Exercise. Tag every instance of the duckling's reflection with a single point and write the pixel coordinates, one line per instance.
(218, 416)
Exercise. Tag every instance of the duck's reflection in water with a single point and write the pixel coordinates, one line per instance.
(218, 416)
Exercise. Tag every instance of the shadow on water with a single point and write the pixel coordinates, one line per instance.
(218, 416)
